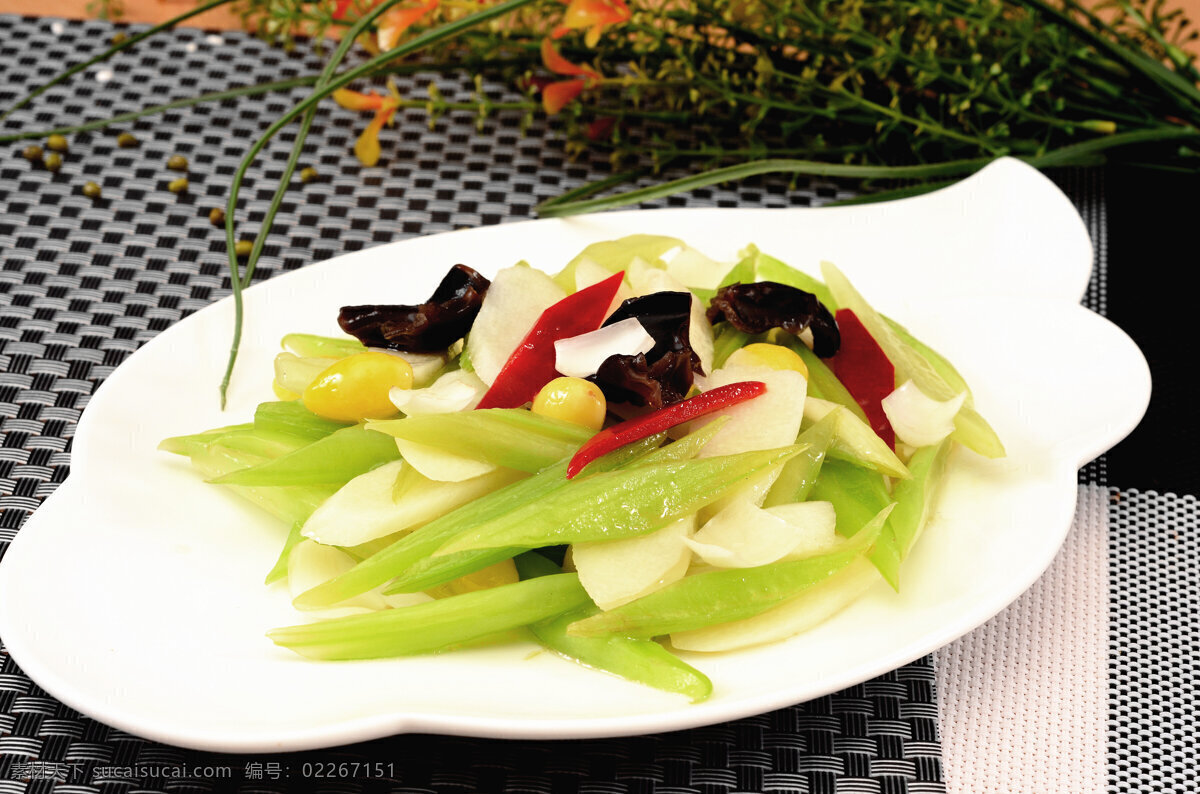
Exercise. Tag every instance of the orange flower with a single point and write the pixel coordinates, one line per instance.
(555, 96)
(594, 15)
(366, 148)
(398, 20)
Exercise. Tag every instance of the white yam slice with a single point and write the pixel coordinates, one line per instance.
(801, 613)
(768, 421)
(615, 572)
(440, 465)
(744, 535)
(694, 269)
(517, 297)
(371, 506)
(816, 525)
(457, 390)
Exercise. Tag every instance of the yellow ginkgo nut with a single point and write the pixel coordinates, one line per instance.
(356, 387)
(573, 400)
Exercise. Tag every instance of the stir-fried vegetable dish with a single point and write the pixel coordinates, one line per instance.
(648, 452)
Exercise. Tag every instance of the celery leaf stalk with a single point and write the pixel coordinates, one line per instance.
(437, 625)
(620, 504)
(335, 459)
(510, 437)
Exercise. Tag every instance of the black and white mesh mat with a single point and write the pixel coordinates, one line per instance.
(84, 282)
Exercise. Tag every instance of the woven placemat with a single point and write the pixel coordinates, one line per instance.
(84, 282)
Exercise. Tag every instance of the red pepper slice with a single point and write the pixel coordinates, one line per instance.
(663, 419)
(864, 369)
(531, 365)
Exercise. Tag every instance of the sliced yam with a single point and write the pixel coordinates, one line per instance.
(457, 390)
(744, 535)
(311, 564)
(440, 465)
(918, 419)
(694, 269)
(768, 421)
(517, 297)
(371, 505)
(854, 441)
(815, 524)
(615, 572)
(811, 608)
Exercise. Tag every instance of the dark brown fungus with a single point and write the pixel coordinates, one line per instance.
(424, 328)
(757, 308)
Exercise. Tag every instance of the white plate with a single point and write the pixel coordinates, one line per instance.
(134, 593)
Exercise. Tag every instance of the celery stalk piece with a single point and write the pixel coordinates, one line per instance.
(335, 459)
(280, 570)
(727, 341)
(685, 448)
(290, 504)
(619, 504)
(510, 437)
(853, 440)
(858, 494)
(640, 660)
(294, 373)
(293, 418)
(190, 444)
(437, 625)
(617, 255)
(314, 346)
(971, 429)
(786, 619)
(721, 596)
(423, 541)
(269, 444)
(936, 360)
(800, 473)
(768, 268)
(822, 383)
(915, 496)
(431, 571)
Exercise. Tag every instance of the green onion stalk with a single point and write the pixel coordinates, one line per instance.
(901, 96)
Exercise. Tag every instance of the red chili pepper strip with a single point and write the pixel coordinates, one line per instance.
(662, 420)
(531, 365)
(864, 369)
